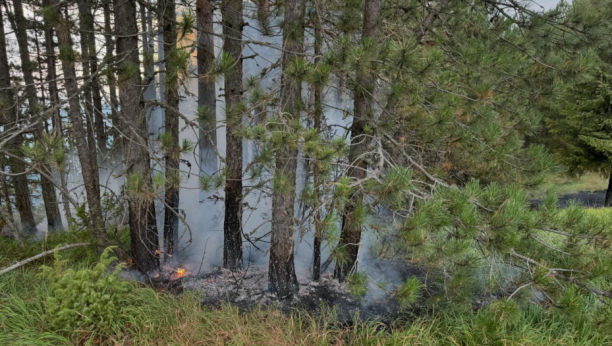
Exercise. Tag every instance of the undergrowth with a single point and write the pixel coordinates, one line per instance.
(143, 316)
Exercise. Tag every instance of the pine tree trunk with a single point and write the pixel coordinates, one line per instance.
(54, 97)
(10, 114)
(231, 11)
(283, 280)
(143, 233)
(318, 114)
(171, 97)
(112, 87)
(206, 88)
(350, 237)
(608, 200)
(89, 53)
(88, 167)
(86, 24)
(54, 220)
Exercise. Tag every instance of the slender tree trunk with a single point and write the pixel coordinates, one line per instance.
(350, 237)
(88, 167)
(231, 12)
(112, 85)
(54, 97)
(9, 114)
(90, 54)
(206, 88)
(283, 280)
(86, 27)
(608, 201)
(318, 114)
(54, 220)
(173, 154)
(143, 233)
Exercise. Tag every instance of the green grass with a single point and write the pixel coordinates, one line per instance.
(564, 184)
(151, 317)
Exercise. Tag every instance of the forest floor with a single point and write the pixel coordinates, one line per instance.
(151, 315)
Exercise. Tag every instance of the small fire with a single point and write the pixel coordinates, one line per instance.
(179, 273)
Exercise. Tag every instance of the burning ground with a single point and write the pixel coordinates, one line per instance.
(248, 289)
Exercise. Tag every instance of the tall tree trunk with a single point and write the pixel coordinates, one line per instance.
(90, 54)
(173, 154)
(350, 237)
(283, 280)
(112, 84)
(143, 233)
(318, 114)
(54, 97)
(231, 12)
(206, 88)
(10, 114)
(608, 200)
(86, 28)
(54, 220)
(88, 170)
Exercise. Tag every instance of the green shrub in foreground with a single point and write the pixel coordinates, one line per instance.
(87, 299)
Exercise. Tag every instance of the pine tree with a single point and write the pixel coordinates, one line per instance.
(89, 171)
(56, 120)
(10, 115)
(109, 47)
(206, 87)
(350, 237)
(171, 99)
(283, 280)
(132, 115)
(231, 12)
(19, 24)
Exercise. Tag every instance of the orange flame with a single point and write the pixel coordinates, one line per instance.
(179, 273)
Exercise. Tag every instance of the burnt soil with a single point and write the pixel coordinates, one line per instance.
(248, 290)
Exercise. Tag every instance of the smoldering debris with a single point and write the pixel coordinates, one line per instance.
(248, 289)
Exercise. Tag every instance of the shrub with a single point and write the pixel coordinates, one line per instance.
(88, 299)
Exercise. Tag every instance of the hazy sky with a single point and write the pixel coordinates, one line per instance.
(547, 4)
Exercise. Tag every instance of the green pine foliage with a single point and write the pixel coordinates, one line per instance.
(90, 300)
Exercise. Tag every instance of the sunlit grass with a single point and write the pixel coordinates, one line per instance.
(564, 184)
(161, 318)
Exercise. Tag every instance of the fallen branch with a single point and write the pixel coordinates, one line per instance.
(40, 255)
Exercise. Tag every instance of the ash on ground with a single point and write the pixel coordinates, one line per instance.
(248, 289)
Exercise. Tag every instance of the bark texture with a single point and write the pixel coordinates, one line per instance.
(143, 233)
(350, 237)
(173, 155)
(54, 220)
(283, 280)
(206, 87)
(9, 115)
(231, 11)
(88, 166)
(109, 47)
(90, 70)
(318, 114)
(54, 98)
